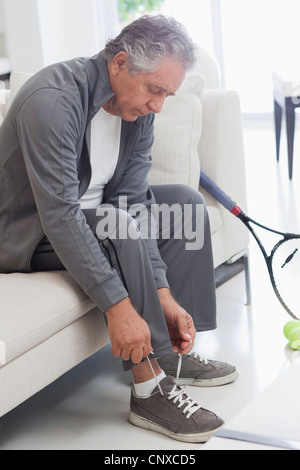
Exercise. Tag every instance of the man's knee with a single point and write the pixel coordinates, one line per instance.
(191, 195)
(182, 216)
(184, 195)
(177, 194)
(116, 224)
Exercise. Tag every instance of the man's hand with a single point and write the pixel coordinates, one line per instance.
(180, 324)
(129, 333)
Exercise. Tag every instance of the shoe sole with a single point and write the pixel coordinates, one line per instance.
(216, 382)
(199, 438)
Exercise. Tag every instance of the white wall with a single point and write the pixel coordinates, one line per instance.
(2, 42)
(108, 16)
(22, 34)
(1, 17)
(71, 28)
(41, 32)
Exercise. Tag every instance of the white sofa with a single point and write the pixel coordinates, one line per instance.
(47, 324)
(5, 68)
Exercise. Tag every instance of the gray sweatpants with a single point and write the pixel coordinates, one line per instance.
(190, 272)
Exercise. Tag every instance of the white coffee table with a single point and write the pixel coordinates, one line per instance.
(271, 421)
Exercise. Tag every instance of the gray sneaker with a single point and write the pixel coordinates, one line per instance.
(192, 369)
(170, 411)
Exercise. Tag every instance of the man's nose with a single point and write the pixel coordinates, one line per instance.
(156, 104)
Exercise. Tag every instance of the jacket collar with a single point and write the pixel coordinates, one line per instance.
(98, 81)
(99, 85)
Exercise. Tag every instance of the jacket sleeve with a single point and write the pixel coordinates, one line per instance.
(49, 124)
(134, 188)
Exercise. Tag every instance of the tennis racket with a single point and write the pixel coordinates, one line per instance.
(283, 263)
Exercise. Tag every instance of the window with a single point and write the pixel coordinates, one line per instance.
(196, 16)
(259, 36)
(250, 39)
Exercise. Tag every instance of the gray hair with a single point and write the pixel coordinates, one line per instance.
(149, 40)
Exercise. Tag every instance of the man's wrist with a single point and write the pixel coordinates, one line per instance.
(118, 308)
(165, 297)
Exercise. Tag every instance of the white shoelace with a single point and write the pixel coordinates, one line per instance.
(154, 375)
(196, 356)
(177, 393)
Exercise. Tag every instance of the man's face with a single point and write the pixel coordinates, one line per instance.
(143, 93)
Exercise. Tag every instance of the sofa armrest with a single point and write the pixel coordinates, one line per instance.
(221, 153)
(221, 148)
(4, 95)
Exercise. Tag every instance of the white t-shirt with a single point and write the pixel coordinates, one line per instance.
(104, 149)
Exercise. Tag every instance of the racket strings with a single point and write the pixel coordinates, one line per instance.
(286, 272)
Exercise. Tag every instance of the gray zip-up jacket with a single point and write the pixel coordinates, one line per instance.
(45, 169)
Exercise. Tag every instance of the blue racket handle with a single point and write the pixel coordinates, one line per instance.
(219, 195)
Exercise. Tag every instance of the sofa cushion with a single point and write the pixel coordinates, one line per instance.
(177, 134)
(4, 96)
(34, 307)
(5, 67)
(214, 218)
(17, 80)
(3, 99)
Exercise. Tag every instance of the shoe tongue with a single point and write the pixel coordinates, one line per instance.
(167, 384)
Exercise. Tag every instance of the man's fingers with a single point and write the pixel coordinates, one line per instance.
(182, 347)
(187, 346)
(135, 354)
(116, 351)
(147, 350)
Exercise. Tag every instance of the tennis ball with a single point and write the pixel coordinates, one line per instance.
(290, 326)
(294, 338)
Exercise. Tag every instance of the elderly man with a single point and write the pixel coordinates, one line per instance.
(76, 140)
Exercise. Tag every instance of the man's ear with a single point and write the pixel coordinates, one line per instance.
(119, 62)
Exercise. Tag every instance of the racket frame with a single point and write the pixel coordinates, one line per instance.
(269, 258)
(236, 210)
